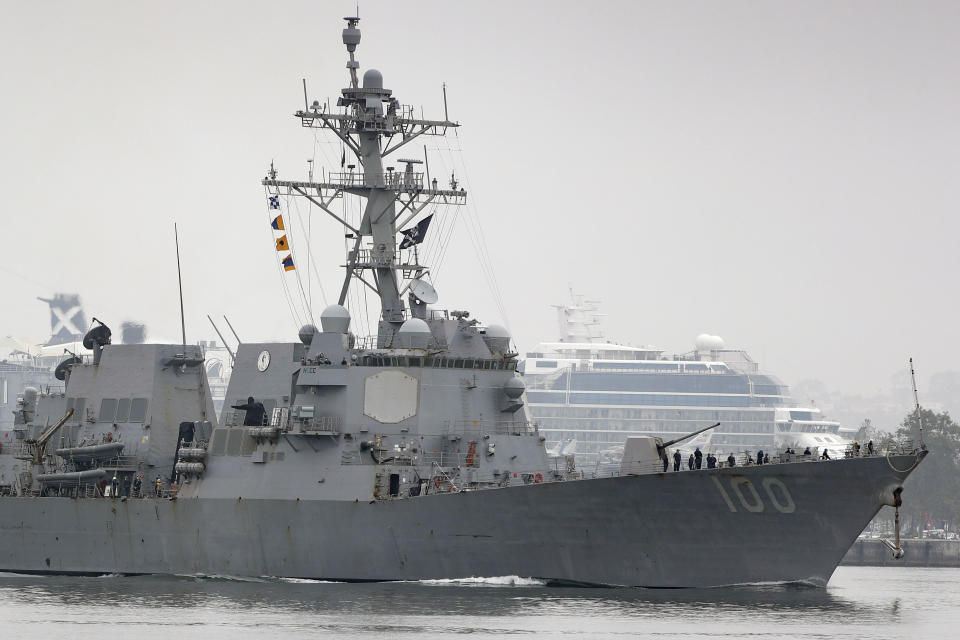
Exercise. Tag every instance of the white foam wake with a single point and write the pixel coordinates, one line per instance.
(307, 581)
(511, 581)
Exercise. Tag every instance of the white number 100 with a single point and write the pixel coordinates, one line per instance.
(749, 498)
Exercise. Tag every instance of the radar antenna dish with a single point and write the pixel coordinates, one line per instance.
(423, 291)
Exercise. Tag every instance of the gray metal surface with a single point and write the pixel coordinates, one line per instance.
(660, 530)
(405, 455)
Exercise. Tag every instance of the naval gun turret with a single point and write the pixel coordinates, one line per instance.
(640, 452)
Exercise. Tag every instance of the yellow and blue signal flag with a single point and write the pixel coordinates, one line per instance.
(282, 244)
(277, 223)
(288, 264)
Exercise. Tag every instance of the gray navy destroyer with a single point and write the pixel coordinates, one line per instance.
(407, 455)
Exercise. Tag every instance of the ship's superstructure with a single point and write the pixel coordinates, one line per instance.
(591, 395)
(404, 455)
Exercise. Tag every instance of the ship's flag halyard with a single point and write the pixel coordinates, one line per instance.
(282, 243)
(415, 235)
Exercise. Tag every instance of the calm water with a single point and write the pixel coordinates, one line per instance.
(860, 602)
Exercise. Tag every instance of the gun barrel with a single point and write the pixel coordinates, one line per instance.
(670, 443)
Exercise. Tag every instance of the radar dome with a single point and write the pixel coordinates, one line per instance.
(414, 334)
(335, 319)
(497, 331)
(372, 79)
(707, 342)
(307, 332)
(497, 338)
(514, 388)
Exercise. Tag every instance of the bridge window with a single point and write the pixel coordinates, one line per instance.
(108, 409)
(138, 410)
(123, 410)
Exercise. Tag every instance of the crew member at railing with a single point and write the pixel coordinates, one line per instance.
(856, 449)
(760, 458)
(698, 458)
(711, 461)
(677, 459)
(255, 412)
(690, 462)
(825, 455)
(806, 451)
(731, 460)
(870, 448)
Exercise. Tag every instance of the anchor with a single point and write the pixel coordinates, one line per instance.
(895, 547)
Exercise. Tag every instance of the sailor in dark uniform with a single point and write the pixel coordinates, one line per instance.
(255, 412)
(677, 459)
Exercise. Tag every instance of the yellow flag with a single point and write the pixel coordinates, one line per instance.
(282, 244)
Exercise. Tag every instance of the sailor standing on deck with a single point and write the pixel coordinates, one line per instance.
(698, 456)
(677, 459)
(731, 460)
(255, 412)
(690, 462)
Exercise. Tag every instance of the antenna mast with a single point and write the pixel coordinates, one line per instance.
(183, 324)
(371, 125)
(916, 401)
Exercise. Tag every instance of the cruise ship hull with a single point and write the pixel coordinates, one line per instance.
(776, 523)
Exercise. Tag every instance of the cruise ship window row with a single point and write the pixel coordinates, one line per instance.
(671, 400)
(693, 415)
(546, 424)
(659, 382)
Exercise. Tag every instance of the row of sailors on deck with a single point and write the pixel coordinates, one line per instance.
(696, 459)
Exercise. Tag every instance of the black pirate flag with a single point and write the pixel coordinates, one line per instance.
(415, 235)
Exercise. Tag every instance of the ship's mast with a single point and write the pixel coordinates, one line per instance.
(373, 124)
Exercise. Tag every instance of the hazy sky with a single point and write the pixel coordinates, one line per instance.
(781, 174)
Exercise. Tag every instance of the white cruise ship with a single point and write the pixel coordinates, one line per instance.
(588, 395)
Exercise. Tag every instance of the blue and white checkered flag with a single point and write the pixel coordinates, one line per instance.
(274, 202)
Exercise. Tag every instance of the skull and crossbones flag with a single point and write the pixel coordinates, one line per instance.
(415, 234)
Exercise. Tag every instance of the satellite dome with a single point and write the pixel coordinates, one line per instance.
(497, 331)
(372, 79)
(415, 325)
(497, 338)
(335, 319)
(307, 332)
(514, 388)
(707, 342)
(414, 334)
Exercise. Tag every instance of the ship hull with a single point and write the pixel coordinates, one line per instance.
(775, 523)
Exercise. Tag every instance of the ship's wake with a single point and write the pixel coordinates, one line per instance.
(495, 581)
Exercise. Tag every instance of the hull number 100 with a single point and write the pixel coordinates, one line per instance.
(743, 495)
